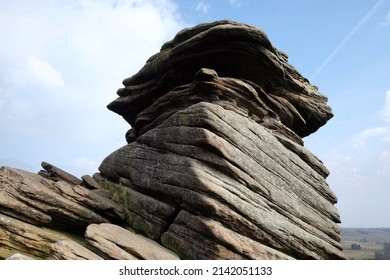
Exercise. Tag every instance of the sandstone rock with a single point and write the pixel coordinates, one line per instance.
(71, 250)
(18, 256)
(217, 118)
(200, 160)
(34, 199)
(56, 174)
(215, 166)
(118, 243)
(234, 50)
(92, 200)
(22, 237)
(90, 182)
(213, 240)
(145, 214)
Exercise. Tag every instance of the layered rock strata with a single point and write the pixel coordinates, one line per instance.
(42, 218)
(215, 167)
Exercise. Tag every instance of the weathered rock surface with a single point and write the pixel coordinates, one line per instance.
(19, 257)
(56, 174)
(215, 166)
(18, 236)
(199, 161)
(34, 212)
(34, 199)
(233, 50)
(70, 250)
(118, 243)
(90, 182)
(145, 214)
(46, 219)
(217, 118)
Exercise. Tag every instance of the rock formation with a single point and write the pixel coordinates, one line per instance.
(47, 219)
(214, 168)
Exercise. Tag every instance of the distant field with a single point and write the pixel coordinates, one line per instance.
(371, 240)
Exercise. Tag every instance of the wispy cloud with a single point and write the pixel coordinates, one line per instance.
(360, 173)
(202, 7)
(348, 37)
(235, 3)
(386, 109)
(84, 164)
(42, 72)
(379, 133)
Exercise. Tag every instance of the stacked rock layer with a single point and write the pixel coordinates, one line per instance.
(54, 215)
(215, 166)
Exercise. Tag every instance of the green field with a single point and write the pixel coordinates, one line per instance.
(371, 240)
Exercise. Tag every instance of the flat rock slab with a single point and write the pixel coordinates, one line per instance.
(90, 182)
(101, 205)
(19, 257)
(34, 199)
(41, 201)
(22, 237)
(71, 250)
(211, 240)
(119, 243)
(57, 174)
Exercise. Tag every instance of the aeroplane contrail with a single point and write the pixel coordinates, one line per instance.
(348, 37)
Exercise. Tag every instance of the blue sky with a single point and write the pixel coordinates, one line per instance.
(61, 63)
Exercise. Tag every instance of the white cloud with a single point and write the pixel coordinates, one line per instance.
(385, 112)
(235, 3)
(40, 71)
(384, 169)
(202, 7)
(377, 133)
(360, 173)
(81, 51)
(84, 164)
